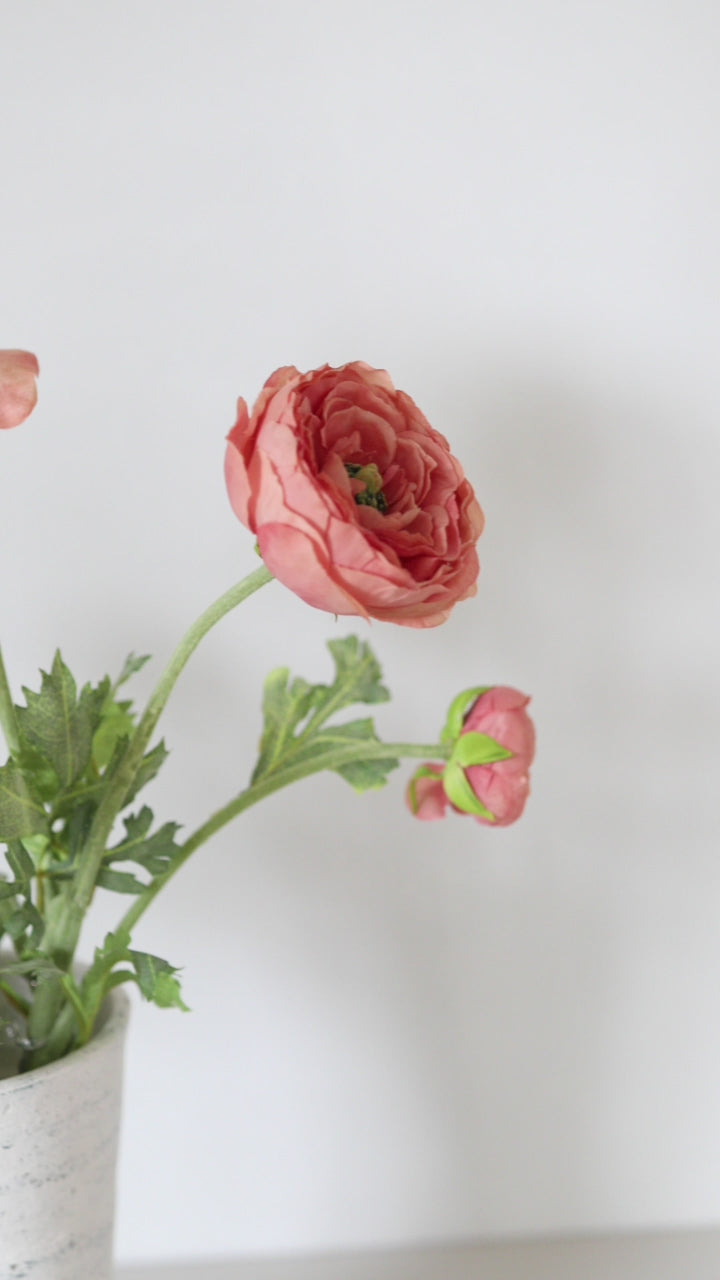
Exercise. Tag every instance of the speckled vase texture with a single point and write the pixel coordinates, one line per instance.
(58, 1152)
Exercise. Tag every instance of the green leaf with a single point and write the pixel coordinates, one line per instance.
(285, 706)
(363, 775)
(10, 888)
(116, 723)
(154, 852)
(156, 980)
(26, 918)
(59, 724)
(294, 712)
(35, 963)
(367, 775)
(20, 862)
(119, 881)
(358, 674)
(133, 663)
(150, 765)
(20, 813)
(478, 748)
(38, 772)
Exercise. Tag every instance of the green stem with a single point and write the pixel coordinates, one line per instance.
(63, 930)
(265, 786)
(18, 1002)
(7, 711)
(112, 801)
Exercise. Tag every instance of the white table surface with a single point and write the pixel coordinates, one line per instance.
(676, 1255)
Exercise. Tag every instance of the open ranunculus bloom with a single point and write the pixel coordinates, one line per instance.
(357, 503)
(18, 392)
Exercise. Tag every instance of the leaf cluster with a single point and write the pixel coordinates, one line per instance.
(296, 735)
(70, 744)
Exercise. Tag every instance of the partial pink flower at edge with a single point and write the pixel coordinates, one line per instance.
(18, 389)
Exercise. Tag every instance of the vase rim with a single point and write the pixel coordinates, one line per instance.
(113, 1025)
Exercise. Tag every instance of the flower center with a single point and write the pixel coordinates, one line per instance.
(372, 495)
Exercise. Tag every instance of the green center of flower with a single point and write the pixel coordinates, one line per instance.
(372, 495)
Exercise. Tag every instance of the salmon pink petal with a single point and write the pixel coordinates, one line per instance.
(18, 389)
(385, 522)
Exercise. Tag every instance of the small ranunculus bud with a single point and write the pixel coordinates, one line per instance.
(487, 774)
(18, 390)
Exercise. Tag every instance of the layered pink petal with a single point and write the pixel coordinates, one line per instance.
(18, 388)
(403, 550)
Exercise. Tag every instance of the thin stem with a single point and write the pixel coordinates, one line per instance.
(8, 719)
(112, 801)
(63, 930)
(265, 786)
(18, 1002)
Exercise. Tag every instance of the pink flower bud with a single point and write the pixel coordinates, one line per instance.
(18, 392)
(495, 792)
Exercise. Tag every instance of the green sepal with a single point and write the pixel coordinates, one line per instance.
(460, 793)
(478, 748)
(156, 980)
(424, 771)
(458, 710)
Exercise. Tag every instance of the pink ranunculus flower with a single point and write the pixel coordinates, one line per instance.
(18, 390)
(501, 787)
(356, 501)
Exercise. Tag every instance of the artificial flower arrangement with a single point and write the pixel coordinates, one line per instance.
(357, 506)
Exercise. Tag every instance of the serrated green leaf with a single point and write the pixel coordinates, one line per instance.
(27, 917)
(156, 980)
(285, 706)
(363, 775)
(295, 712)
(133, 663)
(20, 813)
(358, 673)
(150, 765)
(40, 965)
(116, 723)
(10, 888)
(59, 724)
(78, 826)
(38, 773)
(119, 881)
(478, 748)
(367, 775)
(153, 852)
(20, 862)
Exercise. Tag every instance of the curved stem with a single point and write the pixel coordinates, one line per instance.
(63, 930)
(265, 786)
(112, 801)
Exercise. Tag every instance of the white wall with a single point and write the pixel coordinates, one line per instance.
(398, 1032)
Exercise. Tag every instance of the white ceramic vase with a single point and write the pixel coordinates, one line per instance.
(58, 1151)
